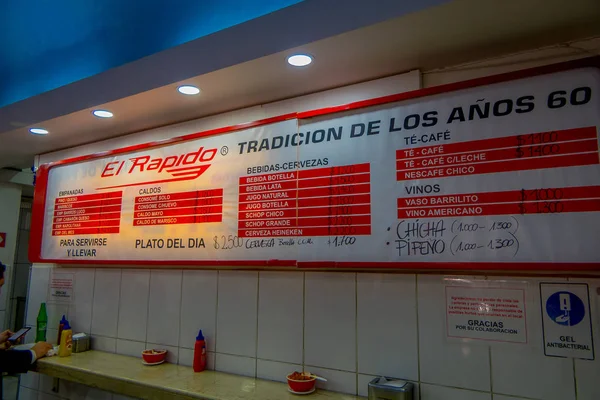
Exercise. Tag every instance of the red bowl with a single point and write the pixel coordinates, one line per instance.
(301, 386)
(154, 356)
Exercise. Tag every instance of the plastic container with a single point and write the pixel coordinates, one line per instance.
(42, 324)
(151, 356)
(66, 341)
(300, 386)
(61, 326)
(200, 353)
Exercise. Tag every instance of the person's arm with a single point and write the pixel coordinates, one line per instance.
(16, 361)
(19, 361)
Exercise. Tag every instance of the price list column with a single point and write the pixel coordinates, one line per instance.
(512, 202)
(87, 214)
(198, 206)
(335, 201)
(317, 202)
(566, 148)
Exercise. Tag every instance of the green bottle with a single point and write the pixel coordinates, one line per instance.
(42, 324)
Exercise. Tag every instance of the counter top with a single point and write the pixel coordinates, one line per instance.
(128, 376)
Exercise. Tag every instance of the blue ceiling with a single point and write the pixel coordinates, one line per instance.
(46, 44)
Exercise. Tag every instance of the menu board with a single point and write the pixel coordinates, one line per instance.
(504, 173)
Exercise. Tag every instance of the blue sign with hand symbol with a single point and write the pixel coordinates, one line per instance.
(566, 320)
(565, 308)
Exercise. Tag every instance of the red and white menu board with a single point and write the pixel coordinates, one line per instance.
(504, 173)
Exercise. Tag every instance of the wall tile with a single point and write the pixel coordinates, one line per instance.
(10, 390)
(55, 313)
(47, 396)
(72, 390)
(198, 308)
(245, 366)
(47, 384)
(363, 386)
(280, 316)
(210, 361)
(27, 394)
(502, 397)
(524, 370)
(172, 352)
(105, 344)
(337, 381)
(432, 392)
(121, 397)
(442, 362)
(133, 306)
(588, 372)
(164, 307)
(105, 311)
(529, 373)
(186, 357)
(77, 391)
(275, 371)
(588, 377)
(330, 320)
(52, 336)
(38, 291)
(97, 394)
(130, 348)
(80, 313)
(236, 313)
(387, 325)
(30, 380)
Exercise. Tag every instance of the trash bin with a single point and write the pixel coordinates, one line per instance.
(384, 388)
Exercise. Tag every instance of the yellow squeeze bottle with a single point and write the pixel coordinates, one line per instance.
(66, 341)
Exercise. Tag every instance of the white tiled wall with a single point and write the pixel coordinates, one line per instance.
(237, 299)
(280, 317)
(330, 320)
(346, 327)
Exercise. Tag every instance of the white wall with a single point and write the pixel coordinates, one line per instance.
(347, 327)
(10, 204)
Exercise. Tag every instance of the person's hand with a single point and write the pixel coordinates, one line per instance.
(4, 336)
(41, 349)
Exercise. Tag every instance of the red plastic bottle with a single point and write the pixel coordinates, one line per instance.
(200, 353)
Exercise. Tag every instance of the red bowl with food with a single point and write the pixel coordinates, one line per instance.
(301, 381)
(154, 356)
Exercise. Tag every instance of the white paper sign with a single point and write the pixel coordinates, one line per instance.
(566, 320)
(486, 313)
(60, 289)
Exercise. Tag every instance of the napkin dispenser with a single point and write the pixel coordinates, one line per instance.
(390, 389)
(81, 343)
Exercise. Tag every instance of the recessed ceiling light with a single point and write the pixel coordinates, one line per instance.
(102, 113)
(38, 131)
(299, 60)
(188, 89)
